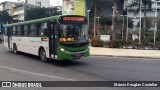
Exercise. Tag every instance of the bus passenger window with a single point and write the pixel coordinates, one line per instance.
(22, 30)
(5, 33)
(25, 30)
(14, 31)
(33, 30)
(11, 31)
(19, 31)
(43, 30)
(38, 27)
(29, 30)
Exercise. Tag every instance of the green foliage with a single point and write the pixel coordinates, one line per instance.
(158, 25)
(4, 17)
(36, 13)
(95, 6)
(106, 31)
(148, 36)
(106, 23)
(158, 45)
(106, 20)
(145, 41)
(148, 22)
(130, 21)
(116, 43)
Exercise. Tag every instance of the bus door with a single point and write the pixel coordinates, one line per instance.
(9, 37)
(52, 39)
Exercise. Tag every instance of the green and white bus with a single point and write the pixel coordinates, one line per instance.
(63, 37)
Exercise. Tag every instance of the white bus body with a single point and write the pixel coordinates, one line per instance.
(30, 45)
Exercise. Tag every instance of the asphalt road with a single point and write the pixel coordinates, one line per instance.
(25, 67)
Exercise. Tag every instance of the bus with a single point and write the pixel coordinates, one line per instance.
(62, 37)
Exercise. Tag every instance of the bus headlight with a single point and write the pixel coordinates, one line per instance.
(62, 49)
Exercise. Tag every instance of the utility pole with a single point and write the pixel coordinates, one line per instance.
(134, 23)
(95, 22)
(88, 11)
(123, 27)
(127, 25)
(94, 26)
(113, 22)
(140, 21)
(98, 25)
(155, 22)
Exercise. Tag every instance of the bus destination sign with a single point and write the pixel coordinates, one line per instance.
(78, 19)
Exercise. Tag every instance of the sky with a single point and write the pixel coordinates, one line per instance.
(53, 2)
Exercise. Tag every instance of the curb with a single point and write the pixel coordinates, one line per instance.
(127, 56)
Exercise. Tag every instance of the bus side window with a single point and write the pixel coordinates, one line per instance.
(8, 31)
(22, 30)
(38, 27)
(25, 30)
(55, 29)
(14, 31)
(29, 30)
(19, 30)
(11, 31)
(33, 30)
(59, 31)
(43, 30)
(5, 32)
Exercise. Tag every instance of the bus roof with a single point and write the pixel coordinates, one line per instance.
(33, 21)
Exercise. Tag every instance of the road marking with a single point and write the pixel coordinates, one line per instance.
(37, 73)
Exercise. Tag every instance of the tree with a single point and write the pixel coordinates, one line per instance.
(95, 6)
(36, 13)
(146, 4)
(114, 18)
(158, 31)
(106, 23)
(5, 18)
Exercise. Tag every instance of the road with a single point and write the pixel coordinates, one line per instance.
(25, 67)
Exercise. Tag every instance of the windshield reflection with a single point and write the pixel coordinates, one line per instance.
(74, 32)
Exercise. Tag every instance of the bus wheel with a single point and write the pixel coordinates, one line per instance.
(42, 55)
(15, 49)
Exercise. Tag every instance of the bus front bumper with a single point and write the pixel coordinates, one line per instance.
(68, 55)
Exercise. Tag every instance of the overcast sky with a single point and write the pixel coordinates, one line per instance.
(8, 0)
(53, 2)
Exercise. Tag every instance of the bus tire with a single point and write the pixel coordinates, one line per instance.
(42, 55)
(15, 49)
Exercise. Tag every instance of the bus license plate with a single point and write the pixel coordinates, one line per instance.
(78, 55)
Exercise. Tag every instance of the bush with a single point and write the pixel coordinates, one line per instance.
(158, 45)
(127, 43)
(115, 43)
(96, 42)
(151, 45)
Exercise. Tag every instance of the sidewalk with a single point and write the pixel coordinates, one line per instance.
(115, 52)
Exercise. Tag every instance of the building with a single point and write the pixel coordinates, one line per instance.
(18, 11)
(5, 5)
(150, 12)
(41, 3)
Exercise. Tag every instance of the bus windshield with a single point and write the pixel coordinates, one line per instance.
(73, 33)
